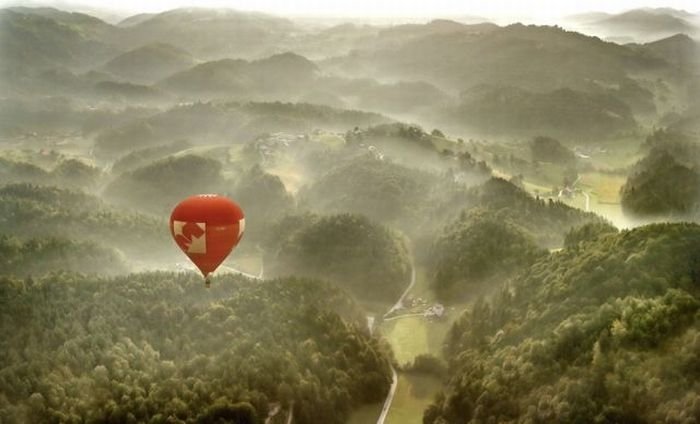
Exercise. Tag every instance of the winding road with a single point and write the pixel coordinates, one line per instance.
(573, 185)
(394, 378)
(399, 303)
(389, 397)
(370, 324)
(404, 316)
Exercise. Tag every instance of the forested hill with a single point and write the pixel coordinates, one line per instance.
(157, 348)
(605, 331)
(666, 182)
(546, 221)
(28, 211)
(368, 259)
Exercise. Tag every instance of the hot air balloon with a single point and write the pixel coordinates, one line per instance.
(207, 227)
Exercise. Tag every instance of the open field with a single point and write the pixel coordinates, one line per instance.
(409, 337)
(366, 414)
(606, 187)
(415, 335)
(329, 139)
(413, 395)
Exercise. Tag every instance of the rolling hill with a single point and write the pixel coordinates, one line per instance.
(563, 113)
(580, 334)
(209, 34)
(35, 40)
(651, 22)
(149, 63)
(284, 75)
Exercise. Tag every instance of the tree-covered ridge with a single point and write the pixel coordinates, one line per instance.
(159, 348)
(225, 122)
(277, 75)
(264, 199)
(477, 252)
(576, 236)
(68, 172)
(663, 188)
(546, 221)
(158, 186)
(313, 114)
(149, 62)
(666, 182)
(29, 211)
(382, 190)
(138, 158)
(38, 256)
(606, 331)
(411, 146)
(547, 149)
(564, 113)
(368, 259)
(35, 41)
(18, 171)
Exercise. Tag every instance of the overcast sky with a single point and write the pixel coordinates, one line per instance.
(535, 9)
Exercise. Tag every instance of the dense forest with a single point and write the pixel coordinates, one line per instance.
(666, 182)
(545, 220)
(379, 189)
(39, 256)
(41, 211)
(604, 331)
(156, 348)
(477, 250)
(366, 258)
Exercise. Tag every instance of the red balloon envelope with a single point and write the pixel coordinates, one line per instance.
(207, 227)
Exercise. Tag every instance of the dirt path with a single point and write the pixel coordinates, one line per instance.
(390, 397)
(399, 303)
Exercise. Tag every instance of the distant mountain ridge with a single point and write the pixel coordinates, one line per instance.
(209, 33)
(150, 62)
(286, 72)
(640, 25)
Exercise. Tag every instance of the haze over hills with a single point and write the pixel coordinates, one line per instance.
(644, 24)
(150, 63)
(437, 63)
(448, 218)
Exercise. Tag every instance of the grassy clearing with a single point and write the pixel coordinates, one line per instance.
(408, 337)
(605, 186)
(366, 414)
(329, 139)
(414, 336)
(413, 394)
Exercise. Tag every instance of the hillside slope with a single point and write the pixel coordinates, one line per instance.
(606, 330)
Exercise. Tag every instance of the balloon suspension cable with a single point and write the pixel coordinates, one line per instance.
(207, 281)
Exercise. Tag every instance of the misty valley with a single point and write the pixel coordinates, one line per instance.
(453, 220)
